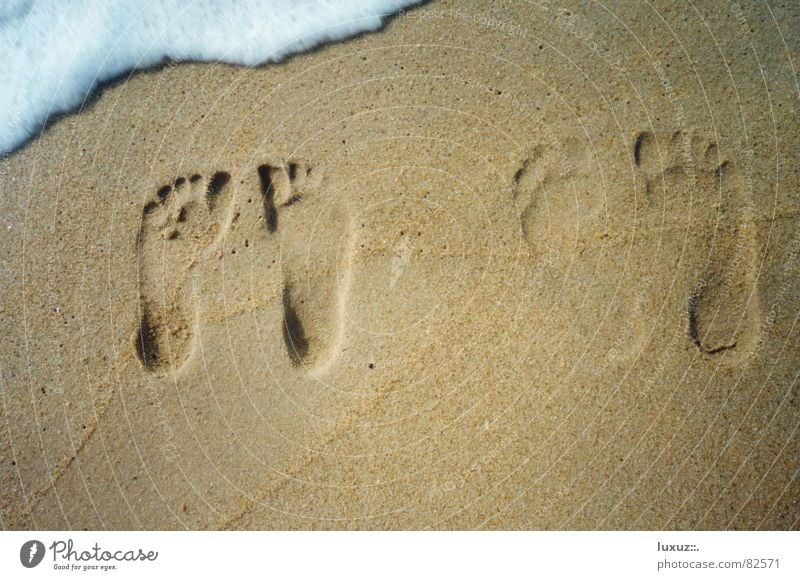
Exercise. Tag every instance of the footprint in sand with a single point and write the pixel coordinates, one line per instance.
(723, 310)
(552, 192)
(180, 229)
(315, 242)
(183, 228)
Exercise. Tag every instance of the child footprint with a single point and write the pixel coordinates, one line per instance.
(551, 191)
(314, 235)
(181, 227)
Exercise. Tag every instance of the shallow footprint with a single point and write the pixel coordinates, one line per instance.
(683, 170)
(181, 226)
(315, 237)
(552, 191)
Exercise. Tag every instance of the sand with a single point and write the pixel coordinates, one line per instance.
(502, 265)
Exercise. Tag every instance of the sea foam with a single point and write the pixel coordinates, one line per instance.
(54, 53)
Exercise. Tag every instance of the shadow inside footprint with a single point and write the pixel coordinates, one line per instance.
(147, 343)
(215, 186)
(294, 335)
(268, 195)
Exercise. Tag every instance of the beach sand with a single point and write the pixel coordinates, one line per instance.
(501, 265)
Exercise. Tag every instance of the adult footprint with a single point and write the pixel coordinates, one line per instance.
(315, 242)
(180, 229)
(685, 170)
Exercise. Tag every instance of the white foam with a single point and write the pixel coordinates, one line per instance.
(53, 53)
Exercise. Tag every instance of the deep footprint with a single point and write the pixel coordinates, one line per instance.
(315, 243)
(180, 227)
